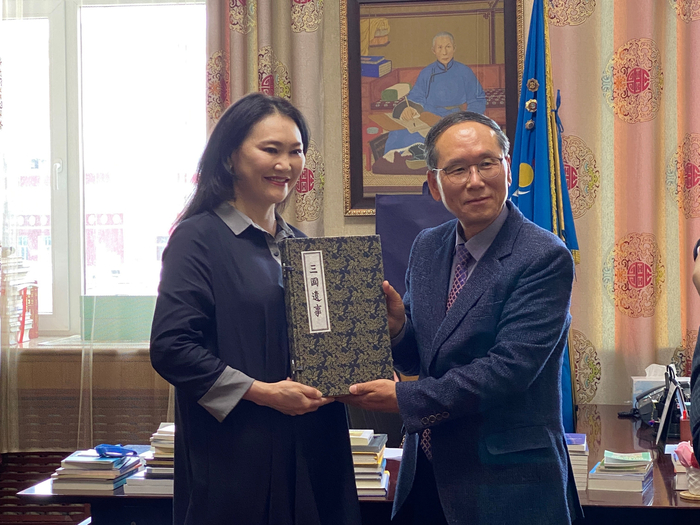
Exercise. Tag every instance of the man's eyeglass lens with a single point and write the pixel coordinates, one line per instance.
(487, 168)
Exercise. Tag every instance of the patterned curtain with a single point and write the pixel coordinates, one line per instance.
(276, 47)
(631, 147)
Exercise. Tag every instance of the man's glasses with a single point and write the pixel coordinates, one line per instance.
(488, 168)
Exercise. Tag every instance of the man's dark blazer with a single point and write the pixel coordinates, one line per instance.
(695, 399)
(489, 376)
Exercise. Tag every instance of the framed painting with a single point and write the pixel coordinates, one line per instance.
(407, 63)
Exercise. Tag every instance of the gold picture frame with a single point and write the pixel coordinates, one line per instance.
(497, 17)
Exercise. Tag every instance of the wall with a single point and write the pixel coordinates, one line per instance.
(333, 208)
(51, 377)
(472, 34)
(335, 221)
(129, 399)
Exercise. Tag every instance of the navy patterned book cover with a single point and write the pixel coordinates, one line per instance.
(336, 311)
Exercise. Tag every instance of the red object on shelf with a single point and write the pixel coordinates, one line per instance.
(29, 304)
(33, 309)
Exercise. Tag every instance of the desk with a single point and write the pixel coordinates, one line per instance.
(123, 509)
(112, 509)
(606, 431)
(600, 422)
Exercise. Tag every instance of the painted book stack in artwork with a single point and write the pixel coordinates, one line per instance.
(577, 445)
(336, 311)
(371, 475)
(375, 66)
(157, 478)
(86, 472)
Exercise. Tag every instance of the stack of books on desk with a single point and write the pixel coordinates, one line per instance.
(163, 441)
(140, 483)
(371, 476)
(681, 473)
(85, 472)
(158, 476)
(577, 445)
(620, 472)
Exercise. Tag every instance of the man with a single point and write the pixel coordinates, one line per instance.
(441, 88)
(484, 325)
(695, 370)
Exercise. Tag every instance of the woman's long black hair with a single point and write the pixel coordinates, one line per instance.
(215, 182)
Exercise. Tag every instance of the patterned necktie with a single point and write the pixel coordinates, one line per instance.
(462, 255)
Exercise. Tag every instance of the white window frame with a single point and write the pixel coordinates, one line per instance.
(67, 199)
(55, 11)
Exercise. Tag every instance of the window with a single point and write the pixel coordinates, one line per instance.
(23, 245)
(161, 241)
(103, 124)
(26, 143)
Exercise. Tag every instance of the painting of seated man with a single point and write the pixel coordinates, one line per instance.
(404, 94)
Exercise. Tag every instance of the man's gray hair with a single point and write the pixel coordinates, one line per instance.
(457, 118)
(444, 33)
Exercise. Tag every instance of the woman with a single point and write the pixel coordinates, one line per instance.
(220, 336)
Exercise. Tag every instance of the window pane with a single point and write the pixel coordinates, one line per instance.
(143, 130)
(26, 149)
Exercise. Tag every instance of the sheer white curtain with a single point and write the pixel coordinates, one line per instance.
(102, 121)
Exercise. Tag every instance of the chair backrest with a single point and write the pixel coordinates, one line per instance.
(399, 219)
(380, 422)
(489, 75)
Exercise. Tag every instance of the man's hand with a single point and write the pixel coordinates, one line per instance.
(289, 397)
(378, 396)
(395, 309)
(409, 113)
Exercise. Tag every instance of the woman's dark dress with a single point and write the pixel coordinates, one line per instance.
(221, 302)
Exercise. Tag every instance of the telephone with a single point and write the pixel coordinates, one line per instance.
(647, 402)
(655, 408)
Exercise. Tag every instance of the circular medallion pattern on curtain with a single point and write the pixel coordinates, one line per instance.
(241, 15)
(217, 90)
(587, 367)
(309, 188)
(687, 10)
(633, 275)
(683, 355)
(570, 12)
(633, 81)
(687, 175)
(582, 175)
(306, 15)
(273, 75)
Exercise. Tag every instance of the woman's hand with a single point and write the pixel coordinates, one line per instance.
(289, 397)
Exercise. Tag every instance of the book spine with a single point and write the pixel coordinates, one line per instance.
(290, 278)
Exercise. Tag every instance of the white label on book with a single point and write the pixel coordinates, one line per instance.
(316, 297)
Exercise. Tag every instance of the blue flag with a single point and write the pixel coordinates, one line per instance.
(539, 182)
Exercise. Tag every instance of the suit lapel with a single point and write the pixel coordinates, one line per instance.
(484, 276)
